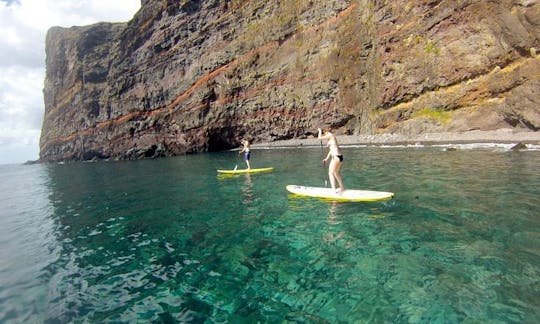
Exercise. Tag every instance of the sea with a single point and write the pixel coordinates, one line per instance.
(170, 241)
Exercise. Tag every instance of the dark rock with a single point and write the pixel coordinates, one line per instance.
(31, 162)
(518, 147)
(191, 76)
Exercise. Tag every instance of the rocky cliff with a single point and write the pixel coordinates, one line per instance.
(186, 76)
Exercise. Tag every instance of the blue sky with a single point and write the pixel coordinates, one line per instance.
(24, 24)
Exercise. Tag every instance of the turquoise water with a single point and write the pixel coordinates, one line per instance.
(169, 241)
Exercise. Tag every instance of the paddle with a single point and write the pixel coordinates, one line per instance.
(324, 166)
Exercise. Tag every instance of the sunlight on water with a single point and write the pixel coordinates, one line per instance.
(170, 240)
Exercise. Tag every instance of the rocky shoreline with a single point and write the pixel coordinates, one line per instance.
(501, 136)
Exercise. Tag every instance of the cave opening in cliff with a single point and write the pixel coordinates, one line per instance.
(221, 139)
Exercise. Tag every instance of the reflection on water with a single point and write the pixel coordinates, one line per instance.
(27, 246)
(169, 240)
(334, 232)
(248, 197)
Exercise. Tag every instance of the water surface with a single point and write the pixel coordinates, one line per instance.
(168, 240)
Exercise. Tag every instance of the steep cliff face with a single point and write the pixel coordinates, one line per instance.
(187, 76)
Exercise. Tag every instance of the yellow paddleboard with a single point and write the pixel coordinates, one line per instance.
(240, 171)
(346, 195)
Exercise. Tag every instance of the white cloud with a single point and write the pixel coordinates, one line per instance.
(20, 108)
(24, 24)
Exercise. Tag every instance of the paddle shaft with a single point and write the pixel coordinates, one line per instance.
(324, 166)
(236, 165)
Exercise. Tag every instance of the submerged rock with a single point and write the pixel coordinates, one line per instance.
(518, 147)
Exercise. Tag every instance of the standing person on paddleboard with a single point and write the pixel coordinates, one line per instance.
(246, 151)
(335, 157)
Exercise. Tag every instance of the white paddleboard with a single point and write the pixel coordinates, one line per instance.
(346, 195)
(240, 171)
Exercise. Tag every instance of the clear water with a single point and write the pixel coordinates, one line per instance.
(169, 241)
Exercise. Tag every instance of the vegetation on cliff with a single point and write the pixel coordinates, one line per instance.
(189, 76)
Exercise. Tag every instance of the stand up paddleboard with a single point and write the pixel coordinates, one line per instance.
(241, 171)
(346, 195)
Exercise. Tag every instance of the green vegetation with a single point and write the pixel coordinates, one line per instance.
(438, 115)
(432, 49)
(278, 22)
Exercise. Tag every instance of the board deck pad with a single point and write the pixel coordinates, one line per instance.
(346, 195)
(241, 171)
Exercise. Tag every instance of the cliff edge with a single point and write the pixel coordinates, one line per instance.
(190, 76)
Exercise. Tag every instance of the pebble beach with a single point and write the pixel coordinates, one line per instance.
(501, 136)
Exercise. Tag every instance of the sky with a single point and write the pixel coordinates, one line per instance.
(24, 24)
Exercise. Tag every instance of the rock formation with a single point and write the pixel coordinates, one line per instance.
(187, 76)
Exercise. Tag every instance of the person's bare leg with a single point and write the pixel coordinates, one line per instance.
(248, 166)
(331, 169)
(337, 175)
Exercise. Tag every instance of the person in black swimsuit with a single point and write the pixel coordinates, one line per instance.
(335, 157)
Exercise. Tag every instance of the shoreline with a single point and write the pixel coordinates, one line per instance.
(501, 136)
